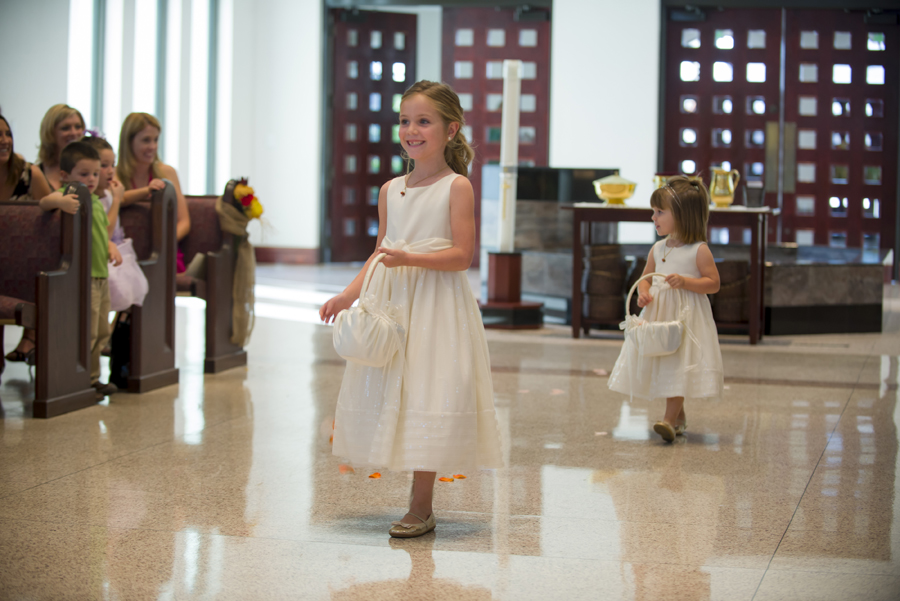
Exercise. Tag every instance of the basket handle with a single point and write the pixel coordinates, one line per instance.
(369, 273)
(634, 287)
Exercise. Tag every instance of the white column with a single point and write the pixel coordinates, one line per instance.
(194, 179)
(79, 93)
(509, 153)
(114, 41)
(143, 96)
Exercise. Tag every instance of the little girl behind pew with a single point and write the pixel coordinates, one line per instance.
(127, 283)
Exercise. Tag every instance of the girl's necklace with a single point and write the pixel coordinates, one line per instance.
(406, 179)
(667, 253)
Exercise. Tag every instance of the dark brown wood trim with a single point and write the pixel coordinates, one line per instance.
(386, 4)
(288, 256)
(808, 4)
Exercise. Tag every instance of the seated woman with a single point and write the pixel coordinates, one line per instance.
(141, 171)
(61, 124)
(19, 181)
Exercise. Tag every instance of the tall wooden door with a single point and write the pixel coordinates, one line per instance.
(816, 125)
(476, 41)
(841, 125)
(374, 56)
(722, 88)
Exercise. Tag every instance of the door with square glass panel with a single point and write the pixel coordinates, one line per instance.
(476, 41)
(818, 143)
(722, 88)
(841, 128)
(374, 55)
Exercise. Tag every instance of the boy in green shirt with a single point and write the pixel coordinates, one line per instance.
(80, 162)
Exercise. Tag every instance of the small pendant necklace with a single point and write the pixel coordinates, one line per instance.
(406, 179)
(666, 253)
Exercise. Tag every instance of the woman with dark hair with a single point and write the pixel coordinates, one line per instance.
(19, 181)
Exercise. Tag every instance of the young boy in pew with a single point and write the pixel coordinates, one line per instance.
(80, 162)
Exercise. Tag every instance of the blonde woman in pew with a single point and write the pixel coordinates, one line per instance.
(142, 172)
(19, 181)
(61, 124)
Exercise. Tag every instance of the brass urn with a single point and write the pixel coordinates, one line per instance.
(614, 189)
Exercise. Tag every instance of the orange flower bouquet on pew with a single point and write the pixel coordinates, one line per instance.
(245, 199)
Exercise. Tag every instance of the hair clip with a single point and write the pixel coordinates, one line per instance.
(95, 133)
(672, 190)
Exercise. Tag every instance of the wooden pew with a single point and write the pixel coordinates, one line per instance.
(151, 226)
(216, 287)
(45, 283)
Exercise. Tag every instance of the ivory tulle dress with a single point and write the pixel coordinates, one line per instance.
(695, 369)
(432, 407)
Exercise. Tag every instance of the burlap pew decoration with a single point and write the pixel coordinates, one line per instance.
(234, 221)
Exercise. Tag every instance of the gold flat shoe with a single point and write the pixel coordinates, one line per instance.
(680, 429)
(404, 530)
(665, 430)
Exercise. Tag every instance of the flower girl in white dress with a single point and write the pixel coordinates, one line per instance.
(432, 407)
(680, 212)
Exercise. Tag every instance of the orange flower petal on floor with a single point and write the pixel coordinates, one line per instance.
(376, 475)
(346, 469)
(459, 476)
(446, 479)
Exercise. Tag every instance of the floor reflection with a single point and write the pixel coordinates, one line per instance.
(225, 487)
(421, 583)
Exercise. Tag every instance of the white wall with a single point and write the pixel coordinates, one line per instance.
(274, 70)
(33, 69)
(277, 115)
(604, 91)
(429, 32)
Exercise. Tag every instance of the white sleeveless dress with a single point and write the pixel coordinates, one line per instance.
(695, 369)
(432, 407)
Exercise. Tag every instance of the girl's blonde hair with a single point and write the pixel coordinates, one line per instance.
(16, 164)
(132, 126)
(49, 151)
(688, 200)
(458, 153)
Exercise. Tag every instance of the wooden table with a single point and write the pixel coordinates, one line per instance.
(756, 219)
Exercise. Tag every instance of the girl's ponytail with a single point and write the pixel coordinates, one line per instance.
(459, 154)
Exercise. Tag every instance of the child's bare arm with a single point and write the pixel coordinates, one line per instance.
(136, 195)
(57, 200)
(345, 299)
(39, 186)
(707, 283)
(644, 297)
(118, 193)
(115, 257)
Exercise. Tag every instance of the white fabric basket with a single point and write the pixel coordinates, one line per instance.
(652, 338)
(365, 334)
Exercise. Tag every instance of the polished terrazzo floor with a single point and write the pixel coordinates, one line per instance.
(224, 487)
